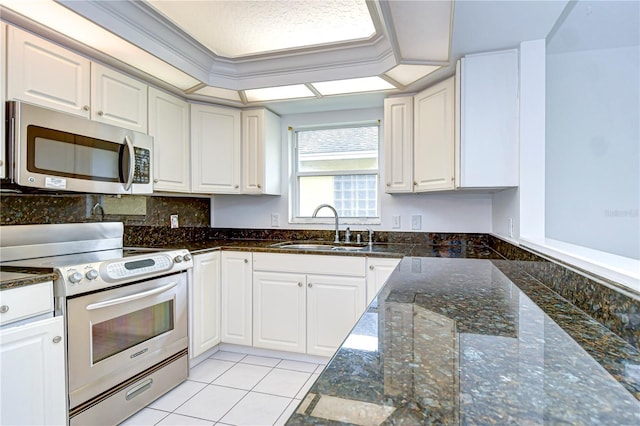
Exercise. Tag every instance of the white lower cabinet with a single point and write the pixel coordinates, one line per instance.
(334, 305)
(378, 272)
(204, 303)
(33, 374)
(236, 309)
(279, 311)
(299, 308)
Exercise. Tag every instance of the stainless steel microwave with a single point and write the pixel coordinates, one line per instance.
(56, 151)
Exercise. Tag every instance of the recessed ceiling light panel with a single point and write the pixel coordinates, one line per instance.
(278, 93)
(352, 85)
(407, 74)
(235, 29)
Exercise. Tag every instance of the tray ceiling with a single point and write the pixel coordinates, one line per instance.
(234, 29)
(251, 51)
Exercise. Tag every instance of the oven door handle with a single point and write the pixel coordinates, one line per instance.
(125, 299)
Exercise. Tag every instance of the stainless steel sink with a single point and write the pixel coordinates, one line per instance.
(317, 247)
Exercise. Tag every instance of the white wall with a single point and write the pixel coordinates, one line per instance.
(592, 149)
(441, 212)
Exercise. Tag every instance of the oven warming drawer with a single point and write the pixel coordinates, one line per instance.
(115, 405)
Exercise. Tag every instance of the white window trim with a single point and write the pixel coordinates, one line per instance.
(293, 183)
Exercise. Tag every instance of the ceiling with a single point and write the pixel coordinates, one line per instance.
(246, 52)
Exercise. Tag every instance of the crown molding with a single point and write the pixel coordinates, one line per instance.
(143, 26)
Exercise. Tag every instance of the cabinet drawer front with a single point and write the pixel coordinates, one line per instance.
(310, 264)
(24, 302)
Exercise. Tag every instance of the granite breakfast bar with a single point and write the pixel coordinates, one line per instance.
(474, 341)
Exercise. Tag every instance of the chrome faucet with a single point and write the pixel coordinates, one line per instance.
(335, 213)
(97, 207)
(370, 236)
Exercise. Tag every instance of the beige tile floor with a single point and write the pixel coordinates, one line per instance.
(231, 388)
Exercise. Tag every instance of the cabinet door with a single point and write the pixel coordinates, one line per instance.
(169, 126)
(3, 98)
(204, 303)
(334, 305)
(33, 374)
(261, 152)
(489, 120)
(236, 300)
(398, 144)
(378, 272)
(253, 151)
(279, 311)
(215, 150)
(46, 74)
(434, 144)
(118, 99)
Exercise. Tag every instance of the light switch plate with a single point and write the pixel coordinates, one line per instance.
(396, 222)
(416, 222)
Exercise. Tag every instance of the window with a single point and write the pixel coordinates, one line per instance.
(337, 166)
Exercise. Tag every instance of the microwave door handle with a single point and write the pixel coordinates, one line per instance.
(130, 298)
(132, 161)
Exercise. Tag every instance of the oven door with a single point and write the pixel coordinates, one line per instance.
(118, 333)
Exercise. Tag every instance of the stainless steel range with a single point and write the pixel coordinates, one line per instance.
(125, 313)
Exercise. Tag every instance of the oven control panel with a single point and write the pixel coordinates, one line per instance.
(88, 277)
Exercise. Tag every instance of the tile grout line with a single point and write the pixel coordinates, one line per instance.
(203, 388)
(248, 391)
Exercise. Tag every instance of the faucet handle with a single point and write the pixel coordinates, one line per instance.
(347, 235)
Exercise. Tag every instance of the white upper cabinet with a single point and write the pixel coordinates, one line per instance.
(3, 97)
(398, 144)
(261, 152)
(169, 126)
(215, 150)
(420, 141)
(46, 74)
(488, 143)
(433, 138)
(462, 133)
(118, 99)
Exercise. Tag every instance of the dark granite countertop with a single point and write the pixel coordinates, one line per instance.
(394, 250)
(377, 249)
(12, 277)
(474, 341)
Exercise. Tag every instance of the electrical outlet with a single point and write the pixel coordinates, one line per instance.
(275, 219)
(396, 222)
(174, 220)
(416, 222)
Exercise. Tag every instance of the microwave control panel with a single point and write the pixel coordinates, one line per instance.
(142, 167)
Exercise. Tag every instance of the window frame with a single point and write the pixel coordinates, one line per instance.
(294, 206)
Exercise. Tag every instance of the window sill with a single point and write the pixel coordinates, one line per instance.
(623, 271)
(332, 221)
